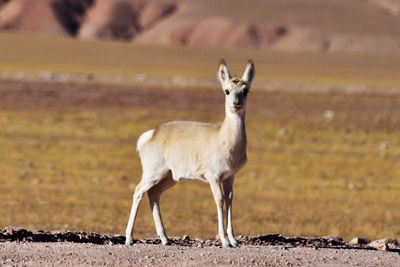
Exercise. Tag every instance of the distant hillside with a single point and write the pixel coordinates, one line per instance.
(356, 26)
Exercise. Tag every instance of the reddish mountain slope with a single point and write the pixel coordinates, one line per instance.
(357, 26)
(30, 16)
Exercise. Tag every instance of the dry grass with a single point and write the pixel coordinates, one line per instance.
(75, 167)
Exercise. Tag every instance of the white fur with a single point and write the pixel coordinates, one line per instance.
(143, 138)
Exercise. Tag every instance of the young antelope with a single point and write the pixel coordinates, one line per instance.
(211, 153)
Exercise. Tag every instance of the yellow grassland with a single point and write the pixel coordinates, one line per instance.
(65, 169)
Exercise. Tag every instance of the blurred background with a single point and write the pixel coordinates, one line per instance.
(81, 80)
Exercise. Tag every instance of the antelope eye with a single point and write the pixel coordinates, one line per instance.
(245, 91)
(227, 92)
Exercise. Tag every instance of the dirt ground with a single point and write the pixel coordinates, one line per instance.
(73, 254)
(20, 247)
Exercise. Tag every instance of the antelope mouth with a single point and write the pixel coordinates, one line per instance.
(237, 107)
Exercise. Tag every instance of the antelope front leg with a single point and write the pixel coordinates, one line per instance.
(228, 195)
(219, 200)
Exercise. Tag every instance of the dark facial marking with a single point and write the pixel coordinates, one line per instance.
(236, 80)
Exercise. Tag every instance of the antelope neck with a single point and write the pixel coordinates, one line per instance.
(233, 128)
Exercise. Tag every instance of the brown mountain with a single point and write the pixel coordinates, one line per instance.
(357, 26)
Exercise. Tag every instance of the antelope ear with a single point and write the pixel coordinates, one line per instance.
(223, 73)
(248, 72)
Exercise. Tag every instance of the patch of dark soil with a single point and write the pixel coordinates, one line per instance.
(18, 234)
(22, 95)
(276, 239)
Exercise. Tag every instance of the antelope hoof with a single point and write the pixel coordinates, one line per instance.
(235, 245)
(228, 245)
(165, 241)
(128, 244)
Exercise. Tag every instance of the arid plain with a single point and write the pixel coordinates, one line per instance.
(323, 123)
(321, 161)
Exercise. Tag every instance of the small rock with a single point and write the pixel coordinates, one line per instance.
(50, 166)
(329, 115)
(383, 244)
(23, 174)
(141, 77)
(359, 241)
(383, 146)
(28, 163)
(19, 75)
(333, 238)
(36, 181)
(45, 75)
(282, 132)
(379, 245)
(186, 238)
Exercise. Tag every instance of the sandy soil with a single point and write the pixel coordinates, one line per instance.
(64, 254)
(20, 247)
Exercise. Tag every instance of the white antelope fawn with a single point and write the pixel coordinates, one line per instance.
(211, 153)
